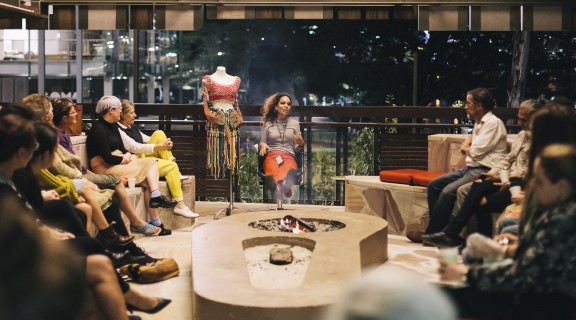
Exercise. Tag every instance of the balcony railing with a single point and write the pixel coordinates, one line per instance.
(399, 138)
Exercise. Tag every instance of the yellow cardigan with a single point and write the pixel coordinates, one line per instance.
(67, 191)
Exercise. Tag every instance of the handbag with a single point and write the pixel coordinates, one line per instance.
(160, 270)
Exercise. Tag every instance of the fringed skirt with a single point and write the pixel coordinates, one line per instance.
(223, 145)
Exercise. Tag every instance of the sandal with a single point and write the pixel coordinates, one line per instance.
(148, 230)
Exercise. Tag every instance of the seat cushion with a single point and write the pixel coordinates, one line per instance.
(402, 176)
(423, 178)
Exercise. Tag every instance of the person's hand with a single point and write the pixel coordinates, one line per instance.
(503, 186)
(240, 117)
(164, 145)
(452, 271)
(126, 158)
(298, 139)
(48, 195)
(482, 247)
(57, 234)
(490, 176)
(506, 238)
(519, 198)
(81, 199)
(263, 148)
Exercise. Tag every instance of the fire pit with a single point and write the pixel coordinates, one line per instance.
(292, 224)
(227, 286)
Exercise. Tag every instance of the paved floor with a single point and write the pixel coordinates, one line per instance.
(402, 254)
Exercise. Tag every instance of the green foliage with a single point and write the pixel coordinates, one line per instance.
(361, 158)
(250, 189)
(323, 169)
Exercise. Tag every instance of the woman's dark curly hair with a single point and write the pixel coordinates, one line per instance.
(268, 111)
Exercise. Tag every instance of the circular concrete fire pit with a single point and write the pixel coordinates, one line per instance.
(223, 288)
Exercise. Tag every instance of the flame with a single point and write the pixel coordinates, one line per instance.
(296, 228)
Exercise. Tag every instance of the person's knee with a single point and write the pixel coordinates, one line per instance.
(99, 267)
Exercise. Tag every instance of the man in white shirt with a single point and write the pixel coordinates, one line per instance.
(484, 149)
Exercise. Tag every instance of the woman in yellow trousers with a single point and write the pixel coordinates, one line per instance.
(158, 146)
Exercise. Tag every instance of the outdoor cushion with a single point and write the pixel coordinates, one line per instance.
(402, 176)
(423, 178)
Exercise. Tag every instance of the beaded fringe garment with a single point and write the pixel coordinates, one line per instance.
(222, 136)
(222, 143)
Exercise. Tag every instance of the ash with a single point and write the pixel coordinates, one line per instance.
(266, 275)
(321, 225)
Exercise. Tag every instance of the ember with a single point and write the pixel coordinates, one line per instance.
(289, 223)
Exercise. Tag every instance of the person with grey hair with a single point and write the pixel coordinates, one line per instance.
(391, 294)
(108, 155)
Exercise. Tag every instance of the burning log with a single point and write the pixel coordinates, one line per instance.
(295, 225)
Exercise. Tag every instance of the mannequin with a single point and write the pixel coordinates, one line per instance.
(220, 97)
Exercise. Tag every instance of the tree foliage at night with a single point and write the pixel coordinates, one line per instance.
(366, 62)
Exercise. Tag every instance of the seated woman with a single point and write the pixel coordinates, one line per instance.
(108, 155)
(539, 283)
(157, 146)
(21, 142)
(42, 157)
(67, 164)
(280, 140)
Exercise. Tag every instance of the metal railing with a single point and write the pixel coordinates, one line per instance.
(405, 147)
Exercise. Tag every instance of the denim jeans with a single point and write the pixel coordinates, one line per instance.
(442, 195)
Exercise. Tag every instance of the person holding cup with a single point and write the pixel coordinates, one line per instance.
(490, 192)
(538, 283)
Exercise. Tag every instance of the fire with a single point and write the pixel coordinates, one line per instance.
(295, 225)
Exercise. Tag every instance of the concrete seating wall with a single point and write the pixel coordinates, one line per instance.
(405, 207)
(136, 195)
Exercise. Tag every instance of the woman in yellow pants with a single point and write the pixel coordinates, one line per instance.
(157, 146)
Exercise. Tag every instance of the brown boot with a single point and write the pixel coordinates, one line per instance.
(110, 238)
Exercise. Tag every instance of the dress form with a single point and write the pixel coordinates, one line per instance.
(220, 97)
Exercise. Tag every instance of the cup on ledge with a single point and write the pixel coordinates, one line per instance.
(504, 176)
(131, 183)
(515, 191)
(352, 172)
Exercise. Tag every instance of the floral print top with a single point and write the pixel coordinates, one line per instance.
(545, 261)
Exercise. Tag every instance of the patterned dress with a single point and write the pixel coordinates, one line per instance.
(222, 135)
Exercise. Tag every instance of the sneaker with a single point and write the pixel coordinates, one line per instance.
(162, 202)
(185, 212)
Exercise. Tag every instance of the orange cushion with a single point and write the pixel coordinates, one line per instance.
(423, 178)
(403, 176)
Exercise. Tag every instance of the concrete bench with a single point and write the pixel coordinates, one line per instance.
(168, 217)
(404, 207)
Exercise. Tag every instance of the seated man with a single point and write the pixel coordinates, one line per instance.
(483, 149)
(485, 195)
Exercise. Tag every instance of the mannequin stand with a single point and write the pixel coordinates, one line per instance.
(230, 206)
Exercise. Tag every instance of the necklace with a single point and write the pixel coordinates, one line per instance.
(285, 124)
